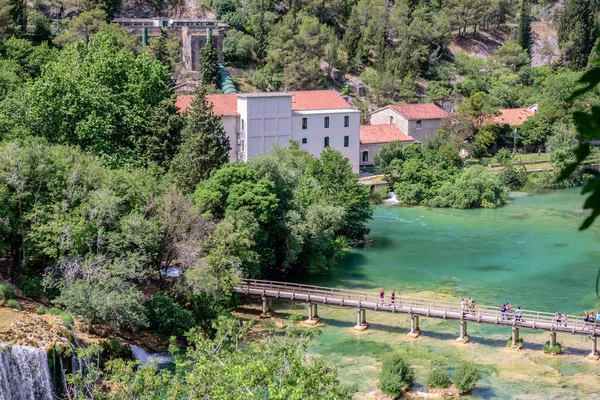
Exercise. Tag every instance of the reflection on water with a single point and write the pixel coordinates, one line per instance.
(529, 253)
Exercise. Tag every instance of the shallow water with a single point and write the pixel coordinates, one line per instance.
(529, 253)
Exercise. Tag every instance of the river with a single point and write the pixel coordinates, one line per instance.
(529, 253)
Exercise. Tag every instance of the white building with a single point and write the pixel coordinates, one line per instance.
(419, 121)
(315, 119)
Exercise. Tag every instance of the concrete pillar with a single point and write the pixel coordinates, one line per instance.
(265, 308)
(414, 326)
(361, 320)
(313, 318)
(463, 332)
(594, 355)
(552, 338)
(515, 336)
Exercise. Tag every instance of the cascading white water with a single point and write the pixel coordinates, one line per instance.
(392, 199)
(144, 357)
(24, 373)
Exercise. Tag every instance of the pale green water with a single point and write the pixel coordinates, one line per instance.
(529, 253)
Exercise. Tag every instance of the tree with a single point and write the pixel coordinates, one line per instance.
(524, 38)
(352, 38)
(474, 188)
(93, 97)
(163, 137)
(396, 375)
(18, 14)
(209, 64)
(204, 145)
(577, 32)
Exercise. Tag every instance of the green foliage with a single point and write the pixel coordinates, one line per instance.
(518, 345)
(438, 378)
(504, 156)
(55, 311)
(396, 375)
(524, 37)
(6, 291)
(204, 144)
(31, 285)
(466, 376)
(474, 188)
(12, 303)
(513, 177)
(209, 65)
(167, 318)
(555, 349)
(41, 310)
(577, 28)
(67, 319)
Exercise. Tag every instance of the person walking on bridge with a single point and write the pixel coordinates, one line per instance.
(382, 295)
(393, 296)
(518, 314)
(558, 315)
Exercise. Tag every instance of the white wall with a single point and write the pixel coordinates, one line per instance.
(408, 127)
(229, 123)
(316, 132)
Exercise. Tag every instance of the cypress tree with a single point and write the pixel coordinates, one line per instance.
(209, 64)
(524, 36)
(352, 38)
(204, 145)
(159, 50)
(577, 32)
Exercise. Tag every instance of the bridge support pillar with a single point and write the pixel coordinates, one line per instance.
(515, 336)
(361, 320)
(594, 355)
(552, 338)
(266, 308)
(415, 331)
(463, 332)
(313, 318)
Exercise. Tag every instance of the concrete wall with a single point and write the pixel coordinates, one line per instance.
(408, 127)
(373, 149)
(229, 123)
(316, 132)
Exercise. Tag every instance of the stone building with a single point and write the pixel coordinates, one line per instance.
(419, 121)
(373, 137)
(193, 33)
(315, 119)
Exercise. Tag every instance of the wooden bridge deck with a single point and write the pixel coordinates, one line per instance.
(415, 306)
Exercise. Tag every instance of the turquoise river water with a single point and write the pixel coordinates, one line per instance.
(529, 253)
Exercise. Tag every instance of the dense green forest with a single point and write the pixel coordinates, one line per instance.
(103, 184)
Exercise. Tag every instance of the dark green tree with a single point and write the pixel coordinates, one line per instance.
(164, 135)
(209, 64)
(18, 13)
(159, 50)
(353, 38)
(204, 146)
(577, 32)
(524, 37)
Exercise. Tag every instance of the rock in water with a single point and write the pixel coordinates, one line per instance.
(24, 373)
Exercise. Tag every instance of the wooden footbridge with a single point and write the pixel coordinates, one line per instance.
(417, 307)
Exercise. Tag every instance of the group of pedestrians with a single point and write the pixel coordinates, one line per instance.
(392, 297)
(589, 319)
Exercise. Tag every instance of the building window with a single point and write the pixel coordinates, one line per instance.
(326, 122)
(304, 123)
(242, 125)
(304, 140)
(419, 124)
(346, 121)
(326, 142)
(165, 23)
(346, 141)
(391, 119)
(365, 156)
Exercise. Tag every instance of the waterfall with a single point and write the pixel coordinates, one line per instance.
(392, 199)
(24, 373)
(144, 357)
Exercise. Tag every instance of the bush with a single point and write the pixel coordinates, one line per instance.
(466, 377)
(167, 317)
(12, 303)
(438, 378)
(31, 285)
(67, 319)
(55, 311)
(396, 375)
(556, 349)
(504, 156)
(513, 177)
(41, 310)
(6, 291)
(378, 195)
(519, 343)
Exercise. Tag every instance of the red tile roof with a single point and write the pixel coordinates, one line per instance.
(420, 111)
(512, 116)
(223, 104)
(318, 100)
(382, 134)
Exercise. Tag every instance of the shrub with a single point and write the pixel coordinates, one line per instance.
(556, 349)
(41, 310)
(396, 375)
(31, 285)
(54, 311)
(438, 378)
(6, 291)
(67, 319)
(504, 156)
(167, 317)
(466, 376)
(378, 195)
(12, 303)
(519, 343)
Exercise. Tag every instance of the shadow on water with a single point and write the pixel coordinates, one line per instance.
(491, 268)
(348, 276)
(379, 243)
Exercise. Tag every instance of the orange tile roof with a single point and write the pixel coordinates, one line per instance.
(420, 111)
(512, 116)
(382, 134)
(223, 104)
(318, 100)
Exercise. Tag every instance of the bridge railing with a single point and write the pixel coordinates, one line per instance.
(480, 311)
